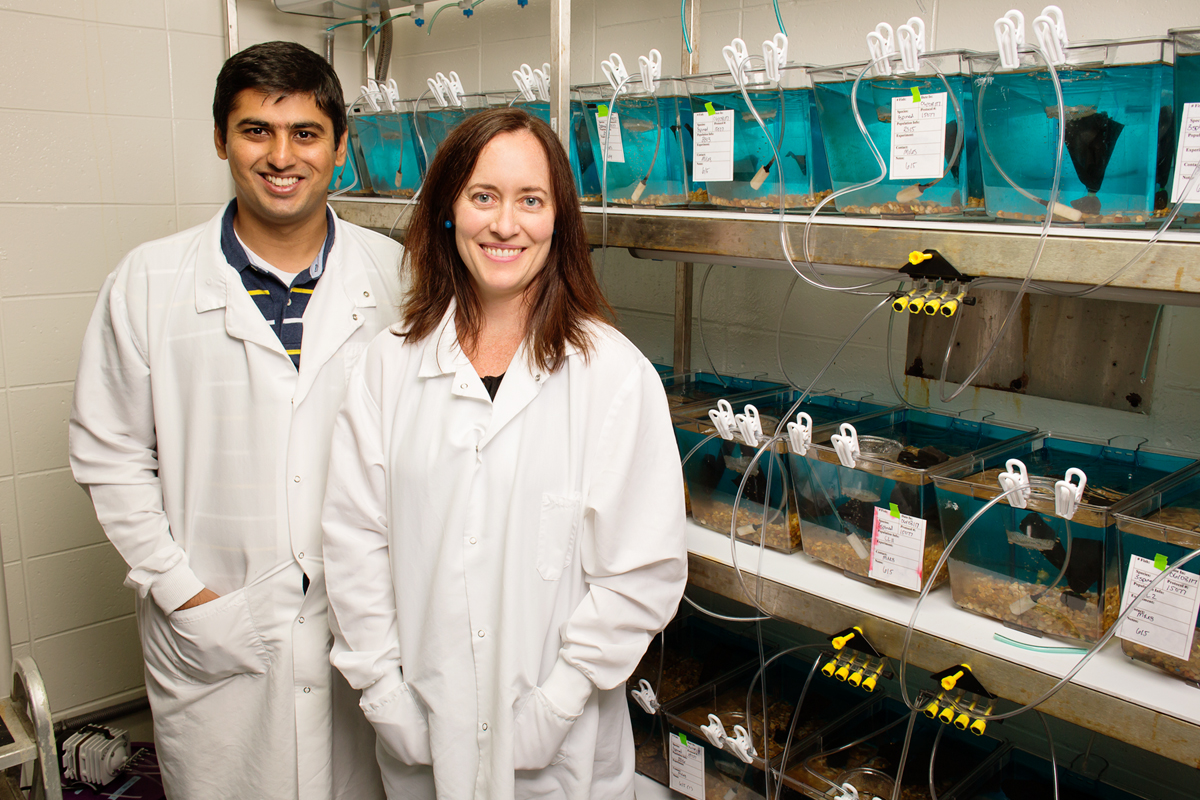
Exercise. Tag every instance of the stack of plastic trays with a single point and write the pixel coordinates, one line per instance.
(434, 122)
(871, 766)
(1166, 524)
(725, 774)
(715, 471)
(1187, 90)
(900, 454)
(697, 653)
(386, 145)
(646, 148)
(1118, 137)
(789, 112)
(850, 159)
(1013, 774)
(1013, 564)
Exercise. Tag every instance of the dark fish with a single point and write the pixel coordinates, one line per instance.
(1086, 566)
(951, 135)
(801, 161)
(1090, 141)
(687, 127)
(856, 516)
(584, 150)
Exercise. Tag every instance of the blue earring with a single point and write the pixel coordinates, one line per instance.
(449, 224)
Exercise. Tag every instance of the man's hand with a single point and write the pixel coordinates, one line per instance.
(204, 596)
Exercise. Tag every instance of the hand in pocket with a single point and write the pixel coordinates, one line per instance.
(218, 639)
(539, 732)
(400, 725)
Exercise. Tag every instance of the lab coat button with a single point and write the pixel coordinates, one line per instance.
(307, 689)
(300, 555)
(474, 540)
(296, 479)
(368, 294)
(355, 316)
(301, 620)
(481, 634)
(484, 726)
(462, 386)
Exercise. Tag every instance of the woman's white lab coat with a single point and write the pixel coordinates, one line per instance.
(205, 453)
(499, 568)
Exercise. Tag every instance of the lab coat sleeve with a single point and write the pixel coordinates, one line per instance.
(358, 576)
(113, 447)
(633, 547)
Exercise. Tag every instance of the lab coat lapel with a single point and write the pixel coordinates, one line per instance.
(333, 314)
(219, 285)
(518, 389)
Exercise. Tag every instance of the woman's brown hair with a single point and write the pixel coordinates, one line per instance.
(564, 296)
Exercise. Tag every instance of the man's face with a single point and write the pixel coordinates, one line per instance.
(282, 154)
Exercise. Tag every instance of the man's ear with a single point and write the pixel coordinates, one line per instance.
(219, 141)
(339, 155)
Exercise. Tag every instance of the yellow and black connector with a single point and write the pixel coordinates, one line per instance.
(938, 288)
(854, 660)
(960, 700)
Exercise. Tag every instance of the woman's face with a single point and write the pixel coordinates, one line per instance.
(504, 218)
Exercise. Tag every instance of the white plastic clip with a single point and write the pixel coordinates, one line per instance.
(800, 433)
(370, 93)
(1067, 495)
(846, 445)
(524, 79)
(775, 54)
(749, 425)
(454, 90)
(736, 56)
(723, 419)
(910, 41)
(880, 43)
(1016, 477)
(739, 744)
(851, 793)
(437, 88)
(1051, 32)
(651, 70)
(1010, 37)
(614, 70)
(541, 79)
(645, 697)
(714, 731)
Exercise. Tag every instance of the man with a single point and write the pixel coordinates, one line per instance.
(209, 379)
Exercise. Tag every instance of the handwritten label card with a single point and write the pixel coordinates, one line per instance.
(687, 767)
(712, 150)
(918, 137)
(897, 549)
(1166, 620)
(616, 148)
(1188, 157)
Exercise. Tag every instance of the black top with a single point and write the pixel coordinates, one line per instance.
(492, 384)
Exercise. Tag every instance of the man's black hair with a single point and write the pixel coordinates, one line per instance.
(284, 68)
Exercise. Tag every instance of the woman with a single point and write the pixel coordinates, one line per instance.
(504, 523)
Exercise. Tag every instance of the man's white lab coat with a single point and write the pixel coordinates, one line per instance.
(205, 453)
(499, 568)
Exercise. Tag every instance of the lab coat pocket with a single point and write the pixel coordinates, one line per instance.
(400, 725)
(218, 639)
(539, 732)
(556, 534)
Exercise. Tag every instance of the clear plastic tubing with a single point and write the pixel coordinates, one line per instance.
(1095, 648)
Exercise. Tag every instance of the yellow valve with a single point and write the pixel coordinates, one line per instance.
(916, 305)
(869, 684)
(949, 681)
(855, 679)
(950, 306)
(829, 667)
(916, 257)
(932, 709)
(962, 721)
(843, 672)
(978, 727)
(931, 308)
(947, 715)
(900, 303)
(840, 641)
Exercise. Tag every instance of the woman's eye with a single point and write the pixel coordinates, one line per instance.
(533, 202)
(483, 197)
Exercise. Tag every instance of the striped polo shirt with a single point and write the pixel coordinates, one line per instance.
(281, 305)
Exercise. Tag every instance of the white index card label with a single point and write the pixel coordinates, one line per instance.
(712, 147)
(1166, 620)
(1188, 157)
(897, 549)
(687, 767)
(918, 137)
(616, 147)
